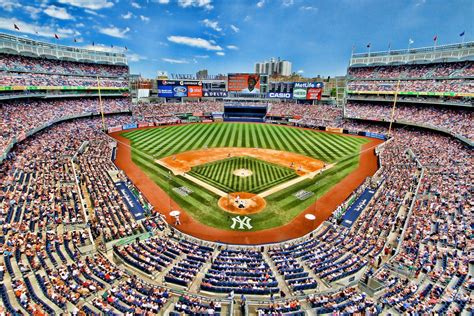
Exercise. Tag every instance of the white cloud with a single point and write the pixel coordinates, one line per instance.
(162, 1)
(58, 13)
(114, 31)
(220, 54)
(301, 71)
(92, 12)
(105, 48)
(134, 57)
(175, 61)
(212, 24)
(232, 47)
(234, 28)
(288, 3)
(261, 3)
(34, 29)
(194, 42)
(127, 15)
(206, 4)
(308, 8)
(9, 5)
(202, 56)
(32, 11)
(144, 18)
(80, 25)
(136, 5)
(88, 4)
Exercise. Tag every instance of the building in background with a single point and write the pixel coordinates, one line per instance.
(202, 74)
(274, 67)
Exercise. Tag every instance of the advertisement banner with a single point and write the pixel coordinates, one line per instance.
(194, 91)
(308, 85)
(280, 95)
(244, 83)
(334, 129)
(180, 91)
(299, 93)
(179, 83)
(215, 94)
(314, 94)
(357, 207)
(131, 201)
(114, 129)
(129, 126)
(165, 91)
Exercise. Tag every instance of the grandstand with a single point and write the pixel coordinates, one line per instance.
(80, 235)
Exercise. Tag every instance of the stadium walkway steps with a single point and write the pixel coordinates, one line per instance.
(322, 285)
(282, 285)
(195, 286)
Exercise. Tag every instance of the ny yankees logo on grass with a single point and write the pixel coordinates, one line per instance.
(244, 223)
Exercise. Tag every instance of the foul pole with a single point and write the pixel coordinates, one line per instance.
(101, 105)
(393, 108)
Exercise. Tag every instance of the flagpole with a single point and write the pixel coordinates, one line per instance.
(100, 104)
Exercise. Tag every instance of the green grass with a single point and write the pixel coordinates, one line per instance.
(264, 175)
(151, 144)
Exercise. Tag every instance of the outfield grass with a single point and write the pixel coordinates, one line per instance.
(151, 144)
(265, 175)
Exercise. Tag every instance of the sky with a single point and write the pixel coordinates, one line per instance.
(184, 36)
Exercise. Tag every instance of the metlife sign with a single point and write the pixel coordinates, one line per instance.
(306, 85)
(280, 95)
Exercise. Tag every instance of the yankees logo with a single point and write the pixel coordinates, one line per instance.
(244, 223)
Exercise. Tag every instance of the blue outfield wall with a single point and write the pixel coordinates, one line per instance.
(131, 201)
(351, 215)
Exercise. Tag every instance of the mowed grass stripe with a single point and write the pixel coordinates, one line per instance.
(172, 140)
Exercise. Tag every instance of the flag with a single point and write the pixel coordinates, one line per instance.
(389, 45)
(56, 36)
(111, 46)
(126, 48)
(435, 38)
(411, 41)
(16, 27)
(462, 34)
(93, 44)
(368, 45)
(75, 40)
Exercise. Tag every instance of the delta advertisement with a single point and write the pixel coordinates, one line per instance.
(214, 89)
(244, 83)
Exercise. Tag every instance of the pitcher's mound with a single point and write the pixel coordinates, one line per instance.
(242, 173)
(242, 203)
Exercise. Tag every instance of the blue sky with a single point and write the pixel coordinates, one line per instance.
(183, 36)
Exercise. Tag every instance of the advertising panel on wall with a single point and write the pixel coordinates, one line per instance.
(308, 85)
(194, 91)
(280, 95)
(245, 83)
(179, 83)
(165, 91)
(180, 91)
(314, 94)
(299, 93)
(215, 94)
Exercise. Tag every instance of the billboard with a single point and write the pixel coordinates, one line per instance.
(280, 95)
(179, 83)
(194, 91)
(215, 94)
(165, 91)
(245, 83)
(180, 91)
(314, 93)
(299, 93)
(309, 85)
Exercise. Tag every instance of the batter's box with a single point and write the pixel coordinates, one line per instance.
(183, 191)
(303, 195)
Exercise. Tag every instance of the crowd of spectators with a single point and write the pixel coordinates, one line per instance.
(456, 120)
(434, 70)
(17, 63)
(413, 99)
(39, 79)
(21, 116)
(441, 86)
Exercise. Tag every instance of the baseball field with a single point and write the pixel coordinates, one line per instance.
(238, 171)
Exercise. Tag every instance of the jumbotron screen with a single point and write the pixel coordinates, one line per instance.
(245, 83)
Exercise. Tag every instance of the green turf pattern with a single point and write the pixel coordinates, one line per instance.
(220, 174)
(282, 206)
